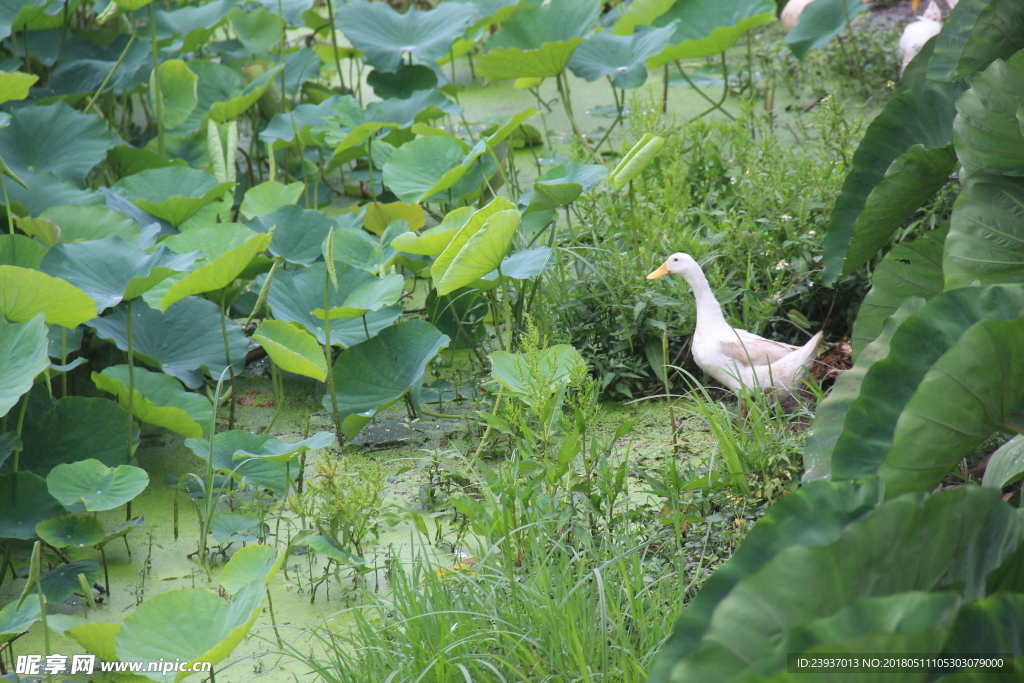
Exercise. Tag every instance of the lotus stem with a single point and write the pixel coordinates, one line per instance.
(328, 353)
(158, 101)
(117, 65)
(227, 356)
(204, 521)
(16, 453)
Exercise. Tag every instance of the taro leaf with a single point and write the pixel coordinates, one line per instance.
(298, 233)
(1006, 465)
(177, 90)
(819, 22)
(85, 223)
(385, 35)
(262, 472)
(621, 58)
(91, 483)
(478, 248)
(402, 83)
(252, 563)
(913, 268)
(413, 170)
(281, 131)
(159, 400)
(986, 234)
(987, 131)
(379, 216)
(165, 627)
(16, 619)
(21, 251)
(270, 196)
(370, 296)
(173, 193)
(991, 624)
(433, 241)
(294, 295)
(259, 30)
(182, 341)
(814, 515)
(976, 33)
(518, 374)
(112, 270)
(59, 583)
(195, 25)
(707, 27)
(25, 293)
(216, 274)
(831, 413)
(23, 348)
(14, 86)
(292, 348)
(921, 115)
(955, 536)
(372, 375)
(73, 428)
(24, 502)
(538, 41)
(56, 139)
(68, 530)
(230, 527)
(956, 332)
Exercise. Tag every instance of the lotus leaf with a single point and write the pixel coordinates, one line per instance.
(21, 251)
(95, 638)
(819, 22)
(24, 293)
(262, 472)
(370, 296)
(259, 30)
(621, 58)
(159, 400)
(402, 83)
(173, 193)
(379, 216)
(478, 248)
(216, 274)
(231, 527)
(59, 583)
(354, 247)
(298, 233)
(305, 118)
(413, 171)
(23, 348)
(433, 241)
(16, 619)
(269, 196)
(14, 86)
(177, 88)
(24, 502)
(521, 265)
(68, 530)
(85, 223)
(538, 41)
(94, 485)
(194, 25)
(292, 348)
(252, 563)
(223, 94)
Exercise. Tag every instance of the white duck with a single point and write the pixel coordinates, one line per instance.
(737, 358)
(919, 32)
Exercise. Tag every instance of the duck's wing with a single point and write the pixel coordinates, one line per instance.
(751, 350)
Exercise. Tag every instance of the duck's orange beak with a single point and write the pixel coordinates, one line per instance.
(914, 5)
(662, 271)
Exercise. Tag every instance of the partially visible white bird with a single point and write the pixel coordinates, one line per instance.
(791, 13)
(919, 32)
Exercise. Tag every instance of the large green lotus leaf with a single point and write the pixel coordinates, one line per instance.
(986, 131)
(159, 400)
(370, 296)
(270, 196)
(58, 584)
(986, 234)
(433, 241)
(183, 341)
(291, 11)
(954, 537)
(165, 627)
(112, 270)
(41, 229)
(281, 131)
(46, 190)
(377, 216)
(233, 527)
(292, 348)
(15, 13)
(95, 638)
(913, 268)
(546, 61)
(278, 451)
(73, 428)
(85, 223)
(21, 251)
(16, 619)
(14, 86)
(481, 254)
(621, 58)
(820, 22)
(1006, 464)
(518, 374)
(252, 563)
(23, 348)
(259, 30)
(225, 110)
(298, 233)
(375, 373)
(402, 83)
(223, 93)
(384, 35)
(55, 138)
(919, 347)
(173, 193)
(814, 515)
(216, 274)
(84, 65)
(24, 502)
(466, 232)
(975, 34)
(912, 179)
(68, 530)
(531, 26)
(413, 169)
(561, 185)
(708, 27)
(24, 293)
(92, 484)
(195, 25)
(640, 13)
(522, 265)
(355, 247)
(264, 473)
(490, 12)
(294, 295)
(921, 115)
(212, 242)
(177, 90)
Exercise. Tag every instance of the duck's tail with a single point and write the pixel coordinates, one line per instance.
(796, 364)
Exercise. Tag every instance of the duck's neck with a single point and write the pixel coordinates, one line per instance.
(709, 312)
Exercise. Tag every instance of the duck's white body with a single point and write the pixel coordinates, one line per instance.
(791, 13)
(737, 358)
(919, 32)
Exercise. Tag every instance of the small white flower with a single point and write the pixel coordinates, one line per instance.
(811, 232)
(780, 265)
(776, 298)
(785, 217)
(732, 181)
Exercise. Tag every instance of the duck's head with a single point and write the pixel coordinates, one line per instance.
(677, 264)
